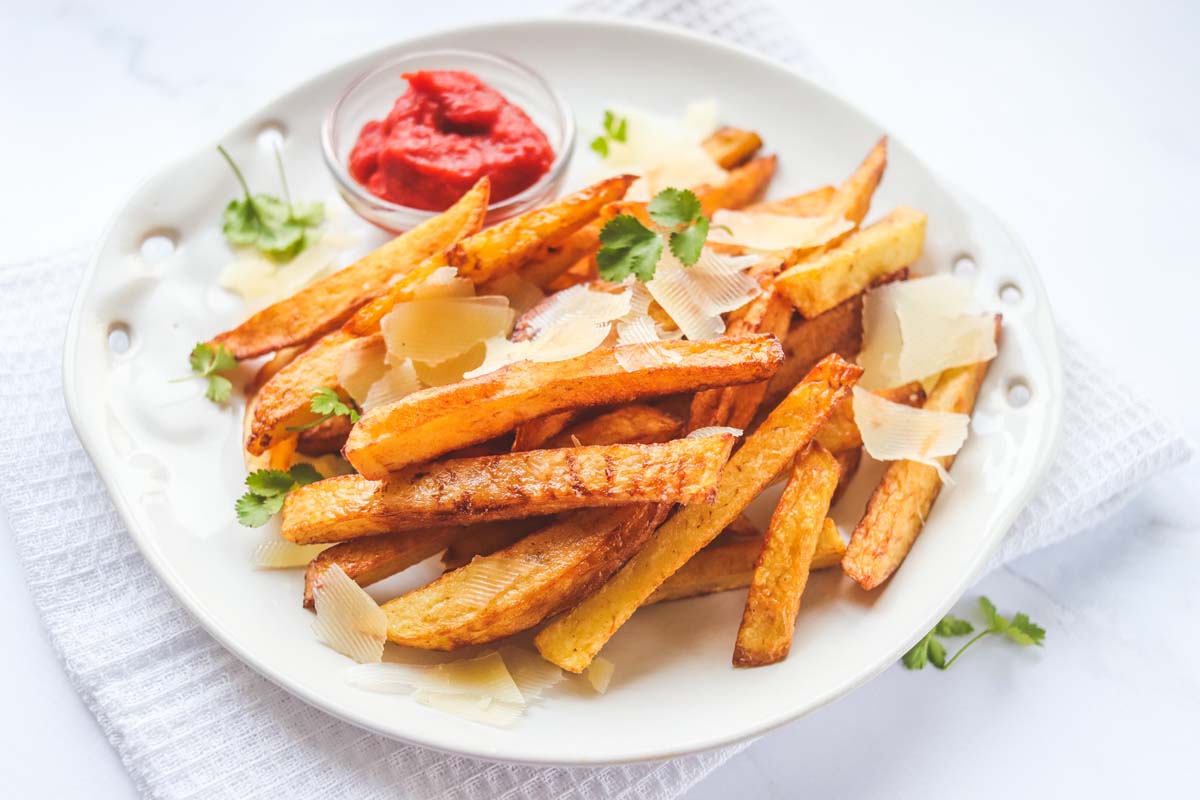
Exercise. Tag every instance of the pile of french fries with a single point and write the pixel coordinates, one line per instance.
(571, 488)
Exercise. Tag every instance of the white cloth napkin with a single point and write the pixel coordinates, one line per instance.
(191, 721)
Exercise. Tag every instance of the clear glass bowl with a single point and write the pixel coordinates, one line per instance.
(371, 96)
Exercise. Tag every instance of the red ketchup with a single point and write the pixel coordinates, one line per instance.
(444, 134)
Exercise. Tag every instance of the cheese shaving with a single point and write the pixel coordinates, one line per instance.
(913, 330)
(483, 710)
(396, 382)
(530, 672)
(438, 329)
(696, 297)
(522, 294)
(639, 335)
(714, 430)
(444, 282)
(348, 620)
(361, 368)
(895, 432)
(764, 231)
(489, 577)
(275, 552)
(599, 673)
(451, 370)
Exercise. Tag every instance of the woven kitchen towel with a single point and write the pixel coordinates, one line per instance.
(190, 721)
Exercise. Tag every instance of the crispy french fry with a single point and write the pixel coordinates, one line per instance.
(324, 305)
(326, 438)
(744, 185)
(741, 526)
(809, 204)
(377, 557)
(838, 330)
(487, 538)
(558, 257)
(729, 564)
(519, 586)
(434, 421)
(819, 283)
(573, 640)
(848, 461)
(535, 433)
(781, 573)
(852, 200)
(631, 424)
(466, 491)
(730, 147)
(900, 504)
(511, 244)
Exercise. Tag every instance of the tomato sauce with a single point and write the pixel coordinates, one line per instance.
(443, 134)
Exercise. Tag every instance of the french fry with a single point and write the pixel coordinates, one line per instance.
(511, 244)
(900, 504)
(434, 421)
(849, 462)
(743, 186)
(781, 573)
(852, 200)
(809, 204)
(730, 147)
(466, 491)
(325, 304)
(729, 564)
(631, 424)
(819, 283)
(519, 586)
(377, 557)
(573, 640)
(535, 433)
(488, 537)
(838, 330)
(326, 438)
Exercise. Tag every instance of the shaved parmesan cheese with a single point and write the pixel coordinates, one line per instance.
(362, 367)
(490, 577)
(579, 302)
(664, 151)
(483, 710)
(599, 673)
(396, 382)
(438, 329)
(895, 432)
(714, 430)
(696, 297)
(530, 672)
(774, 231)
(913, 330)
(444, 282)
(522, 294)
(348, 620)
(261, 281)
(275, 552)
(689, 164)
(451, 370)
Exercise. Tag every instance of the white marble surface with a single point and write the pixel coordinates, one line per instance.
(1076, 123)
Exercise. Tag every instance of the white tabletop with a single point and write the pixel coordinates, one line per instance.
(1075, 122)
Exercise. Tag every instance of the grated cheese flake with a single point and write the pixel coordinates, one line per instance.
(896, 432)
(348, 620)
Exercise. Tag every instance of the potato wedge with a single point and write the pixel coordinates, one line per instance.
(838, 330)
(849, 462)
(535, 433)
(781, 573)
(377, 557)
(573, 640)
(631, 424)
(819, 283)
(434, 421)
(521, 585)
(744, 185)
(852, 200)
(809, 204)
(508, 246)
(324, 305)
(466, 491)
(901, 503)
(729, 564)
(326, 438)
(730, 147)
(488, 537)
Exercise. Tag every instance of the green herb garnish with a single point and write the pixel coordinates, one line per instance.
(267, 490)
(628, 247)
(327, 403)
(207, 362)
(276, 228)
(615, 129)
(1020, 629)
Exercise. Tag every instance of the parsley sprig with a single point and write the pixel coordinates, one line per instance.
(629, 247)
(615, 129)
(1019, 629)
(327, 403)
(208, 362)
(267, 490)
(276, 228)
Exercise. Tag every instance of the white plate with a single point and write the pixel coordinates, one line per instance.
(172, 463)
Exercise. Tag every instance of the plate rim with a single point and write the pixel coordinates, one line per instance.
(216, 629)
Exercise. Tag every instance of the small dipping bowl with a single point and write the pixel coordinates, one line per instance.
(371, 96)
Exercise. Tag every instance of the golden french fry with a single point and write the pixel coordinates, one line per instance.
(631, 424)
(487, 538)
(744, 185)
(470, 490)
(728, 563)
(434, 421)
(820, 282)
(781, 573)
(852, 200)
(519, 586)
(730, 147)
(809, 204)
(901, 503)
(573, 640)
(325, 304)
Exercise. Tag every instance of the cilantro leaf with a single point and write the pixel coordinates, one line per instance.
(918, 655)
(953, 626)
(995, 622)
(688, 243)
(268, 488)
(937, 653)
(206, 362)
(672, 207)
(328, 404)
(615, 126)
(628, 247)
(600, 146)
(219, 388)
(274, 227)
(1025, 632)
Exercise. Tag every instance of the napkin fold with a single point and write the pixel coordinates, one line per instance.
(191, 721)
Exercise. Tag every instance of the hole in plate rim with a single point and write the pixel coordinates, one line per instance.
(158, 244)
(270, 133)
(964, 265)
(1018, 392)
(1010, 293)
(118, 337)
